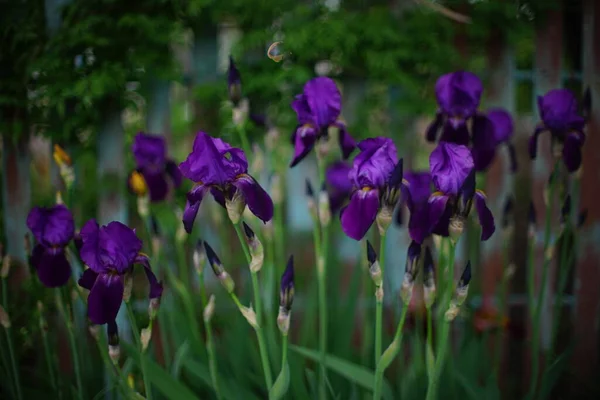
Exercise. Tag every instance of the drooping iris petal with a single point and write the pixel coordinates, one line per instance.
(324, 101)
(206, 161)
(502, 124)
(437, 212)
(149, 150)
(434, 127)
(53, 226)
(346, 142)
(572, 152)
(533, 140)
(486, 218)
(157, 185)
(119, 246)
(156, 287)
(52, 267)
(304, 139)
(558, 110)
(192, 205)
(87, 279)
(358, 216)
(450, 165)
(303, 113)
(419, 225)
(419, 186)
(105, 298)
(257, 199)
(374, 164)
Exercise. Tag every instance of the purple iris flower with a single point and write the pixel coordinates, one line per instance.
(340, 185)
(453, 175)
(490, 132)
(110, 252)
(371, 176)
(150, 153)
(458, 96)
(558, 110)
(416, 197)
(216, 166)
(53, 228)
(318, 108)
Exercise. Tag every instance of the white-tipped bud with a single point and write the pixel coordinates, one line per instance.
(379, 294)
(456, 228)
(429, 293)
(209, 310)
(250, 316)
(239, 114)
(324, 210)
(227, 282)
(5, 267)
(406, 290)
(283, 321)
(59, 199)
(258, 160)
(235, 206)
(127, 286)
(145, 336)
(276, 189)
(256, 249)
(452, 312)
(4, 318)
(384, 219)
(114, 352)
(461, 294)
(375, 272)
(143, 206)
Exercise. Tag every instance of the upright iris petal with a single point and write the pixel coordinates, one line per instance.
(218, 168)
(559, 113)
(489, 132)
(150, 154)
(53, 228)
(458, 96)
(370, 173)
(110, 252)
(317, 108)
(453, 176)
(339, 183)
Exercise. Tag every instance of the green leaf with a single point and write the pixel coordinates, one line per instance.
(282, 383)
(180, 356)
(355, 373)
(552, 374)
(430, 360)
(170, 387)
(230, 389)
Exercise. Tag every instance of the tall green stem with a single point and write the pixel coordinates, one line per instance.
(11, 349)
(322, 252)
(244, 139)
(388, 355)
(445, 329)
(379, 301)
(540, 299)
(72, 343)
(502, 300)
(210, 346)
(138, 343)
(258, 304)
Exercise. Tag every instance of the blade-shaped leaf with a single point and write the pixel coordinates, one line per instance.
(281, 385)
(351, 371)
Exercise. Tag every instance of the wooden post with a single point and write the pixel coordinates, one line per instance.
(587, 310)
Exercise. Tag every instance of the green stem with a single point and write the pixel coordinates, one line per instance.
(258, 304)
(11, 350)
(279, 238)
(502, 309)
(322, 289)
(47, 353)
(136, 337)
(540, 299)
(72, 343)
(388, 355)
(445, 331)
(379, 301)
(244, 139)
(210, 346)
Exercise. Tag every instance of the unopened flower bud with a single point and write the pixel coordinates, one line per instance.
(114, 352)
(4, 318)
(143, 206)
(59, 199)
(235, 206)
(462, 289)
(276, 189)
(153, 307)
(283, 321)
(227, 282)
(250, 316)
(256, 249)
(374, 267)
(456, 228)
(390, 197)
(209, 310)
(127, 286)
(324, 209)
(286, 290)
(145, 336)
(199, 258)
(452, 312)
(310, 200)
(384, 219)
(406, 290)
(5, 267)
(429, 288)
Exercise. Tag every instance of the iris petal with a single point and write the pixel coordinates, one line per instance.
(572, 153)
(486, 218)
(157, 185)
(358, 216)
(105, 298)
(347, 143)
(53, 268)
(87, 279)
(257, 199)
(438, 213)
(192, 205)
(533, 140)
(156, 287)
(305, 138)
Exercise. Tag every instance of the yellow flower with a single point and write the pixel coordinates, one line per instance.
(61, 157)
(138, 183)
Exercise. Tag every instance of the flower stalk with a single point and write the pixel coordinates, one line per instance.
(137, 338)
(72, 343)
